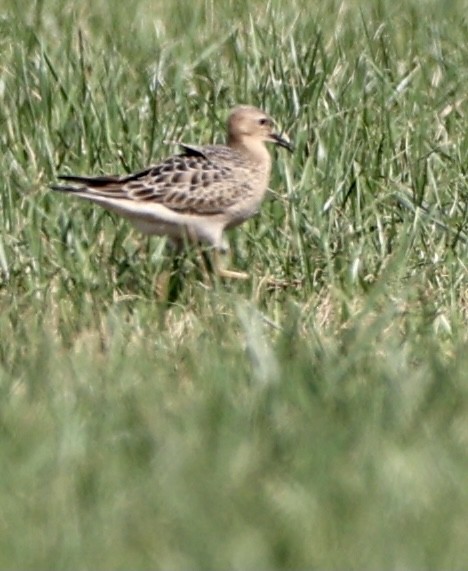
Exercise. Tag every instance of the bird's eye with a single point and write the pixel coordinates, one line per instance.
(264, 121)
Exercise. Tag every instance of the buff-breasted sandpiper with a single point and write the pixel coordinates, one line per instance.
(197, 194)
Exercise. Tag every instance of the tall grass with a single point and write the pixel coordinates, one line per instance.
(312, 417)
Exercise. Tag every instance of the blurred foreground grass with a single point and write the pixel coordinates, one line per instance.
(317, 423)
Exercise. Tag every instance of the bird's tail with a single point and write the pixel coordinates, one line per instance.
(65, 188)
(87, 183)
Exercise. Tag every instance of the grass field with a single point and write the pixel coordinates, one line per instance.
(314, 417)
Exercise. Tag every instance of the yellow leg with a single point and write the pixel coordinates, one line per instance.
(224, 273)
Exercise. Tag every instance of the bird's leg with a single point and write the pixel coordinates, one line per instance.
(168, 283)
(223, 272)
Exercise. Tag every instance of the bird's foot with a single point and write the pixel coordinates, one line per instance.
(231, 274)
(222, 272)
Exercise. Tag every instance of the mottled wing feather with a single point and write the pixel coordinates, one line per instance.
(199, 180)
(192, 150)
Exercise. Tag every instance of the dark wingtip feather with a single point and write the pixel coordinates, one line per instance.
(94, 181)
(63, 188)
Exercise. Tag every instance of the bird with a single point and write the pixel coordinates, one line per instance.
(196, 195)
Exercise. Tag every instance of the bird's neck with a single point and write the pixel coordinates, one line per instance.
(255, 151)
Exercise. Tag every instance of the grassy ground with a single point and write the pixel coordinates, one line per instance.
(314, 417)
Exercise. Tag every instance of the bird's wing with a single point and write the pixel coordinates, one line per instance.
(193, 182)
